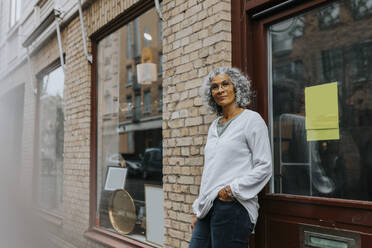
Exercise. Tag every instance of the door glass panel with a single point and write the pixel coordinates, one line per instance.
(331, 43)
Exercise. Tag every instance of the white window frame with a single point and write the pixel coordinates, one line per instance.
(15, 12)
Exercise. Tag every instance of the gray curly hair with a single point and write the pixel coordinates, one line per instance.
(242, 88)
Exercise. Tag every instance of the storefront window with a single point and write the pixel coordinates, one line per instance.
(332, 168)
(51, 140)
(130, 135)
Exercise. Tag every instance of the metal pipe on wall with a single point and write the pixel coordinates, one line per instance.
(61, 58)
(87, 55)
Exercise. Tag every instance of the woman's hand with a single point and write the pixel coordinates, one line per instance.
(193, 222)
(223, 195)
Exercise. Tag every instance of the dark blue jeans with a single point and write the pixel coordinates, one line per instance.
(227, 225)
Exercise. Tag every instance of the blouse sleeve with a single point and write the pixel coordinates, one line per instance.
(249, 185)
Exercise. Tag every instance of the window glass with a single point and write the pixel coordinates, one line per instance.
(147, 99)
(129, 106)
(129, 42)
(15, 11)
(129, 76)
(340, 168)
(51, 140)
(137, 107)
(160, 72)
(160, 99)
(146, 36)
(329, 16)
(137, 45)
(126, 137)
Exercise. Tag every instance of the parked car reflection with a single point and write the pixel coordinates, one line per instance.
(134, 167)
(152, 163)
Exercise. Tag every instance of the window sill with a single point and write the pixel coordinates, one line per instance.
(51, 217)
(113, 239)
(13, 30)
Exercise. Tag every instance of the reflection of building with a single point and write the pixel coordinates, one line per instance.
(129, 119)
(51, 151)
(140, 105)
(328, 58)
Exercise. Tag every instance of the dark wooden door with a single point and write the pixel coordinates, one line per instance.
(321, 191)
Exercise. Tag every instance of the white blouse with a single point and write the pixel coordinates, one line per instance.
(241, 158)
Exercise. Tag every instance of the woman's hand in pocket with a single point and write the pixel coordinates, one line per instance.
(223, 195)
(193, 222)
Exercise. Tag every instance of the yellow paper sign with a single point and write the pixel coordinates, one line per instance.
(321, 106)
(323, 134)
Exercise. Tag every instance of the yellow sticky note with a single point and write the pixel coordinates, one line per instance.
(321, 106)
(323, 134)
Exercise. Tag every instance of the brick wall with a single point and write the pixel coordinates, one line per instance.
(78, 119)
(77, 137)
(197, 38)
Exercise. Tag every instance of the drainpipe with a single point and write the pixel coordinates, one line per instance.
(60, 46)
(57, 14)
(88, 56)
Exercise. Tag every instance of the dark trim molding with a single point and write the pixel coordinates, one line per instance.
(125, 17)
(237, 31)
(113, 240)
(52, 66)
(95, 233)
(36, 142)
(93, 140)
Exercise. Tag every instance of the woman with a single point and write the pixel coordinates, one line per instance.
(237, 164)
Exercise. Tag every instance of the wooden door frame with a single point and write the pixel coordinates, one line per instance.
(249, 53)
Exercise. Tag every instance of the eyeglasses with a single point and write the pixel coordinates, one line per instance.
(224, 86)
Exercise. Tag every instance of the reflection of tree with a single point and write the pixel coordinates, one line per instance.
(284, 33)
(51, 127)
(44, 86)
(329, 16)
(51, 150)
(59, 132)
(297, 29)
(361, 63)
(361, 8)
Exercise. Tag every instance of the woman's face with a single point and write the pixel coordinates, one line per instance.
(222, 90)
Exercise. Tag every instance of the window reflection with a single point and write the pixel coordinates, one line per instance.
(129, 76)
(128, 121)
(51, 140)
(284, 33)
(361, 8)
(147, 100)
(330, 168)
(329, 16)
